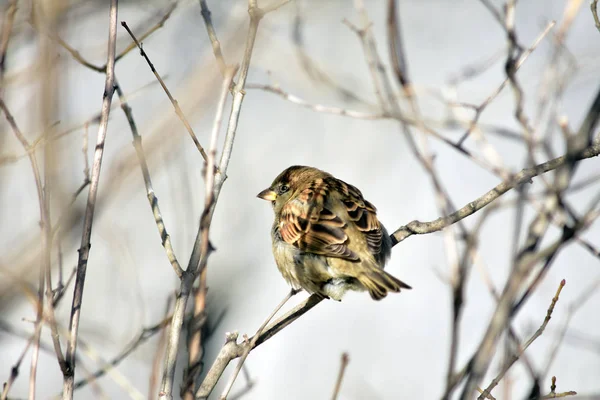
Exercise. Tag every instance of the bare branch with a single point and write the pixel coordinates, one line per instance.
(202, 244)
(249, 345)
(232, 350)
(212, 35)
(317, 107)
(525, 176)
(338, 383)
(84, 249)
(594, 8)
(152, 198)
(509, 363)
(174, 102)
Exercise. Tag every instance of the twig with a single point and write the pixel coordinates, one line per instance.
(102, 68)
(518, 63)
(554, 395)
(529, 256)
(338, 382)
(149, 32)
(509, 363)
(152, 199)
(373, 64)
(7, 24)
(143, 336)
(232, 350)
(594, 8)
(513, 54)
(174, 102)
(318, 107)
(493, 11)
(202, 246)
(115, 374)
(395, 44)
(212, 35)
(84, 249)
(45, 268)
(310, 66)
(14, 371)
(162, 341)
(249, 345)
(198, 258)
(524, 176)
(474, 69)
(206, 248)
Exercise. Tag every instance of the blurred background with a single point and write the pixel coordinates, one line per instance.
(398, 348)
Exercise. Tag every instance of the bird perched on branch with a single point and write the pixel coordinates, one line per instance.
(326, 237)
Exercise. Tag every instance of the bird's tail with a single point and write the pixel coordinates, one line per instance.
(379, 283)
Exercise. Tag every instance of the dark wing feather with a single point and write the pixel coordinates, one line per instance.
(306, 223)
(361, 212)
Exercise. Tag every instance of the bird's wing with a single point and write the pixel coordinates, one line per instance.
(308, 224)
(361, 212)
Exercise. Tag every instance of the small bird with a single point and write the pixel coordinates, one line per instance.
(326, 237)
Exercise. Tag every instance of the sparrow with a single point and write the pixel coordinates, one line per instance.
(326, 236)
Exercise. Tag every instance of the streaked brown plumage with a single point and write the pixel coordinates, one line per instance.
(326, 237)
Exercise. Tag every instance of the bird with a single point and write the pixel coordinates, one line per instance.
(326, 237)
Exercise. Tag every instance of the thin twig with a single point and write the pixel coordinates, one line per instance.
(150, 194)
(594, 8)
(143, 336)
(509, 363)
(76, 55)
(45, 268)
(212, 35)
(232, 350)
(518, 63)
(160, 346)
(249, 345)
(14, 371)
(174, 102)
(318, 107)
(84, 249)
(554, 395)
(338, 382)
(206, 248)
(524, 176)
(198, 258)
(202, 246)
(7, 24)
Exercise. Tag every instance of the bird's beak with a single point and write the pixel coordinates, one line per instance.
(267, 194)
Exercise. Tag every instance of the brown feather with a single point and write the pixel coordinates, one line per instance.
(327, 238)
(307, 224)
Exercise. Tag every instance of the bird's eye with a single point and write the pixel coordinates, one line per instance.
(283, 189)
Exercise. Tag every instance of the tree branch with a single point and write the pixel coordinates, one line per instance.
(84, 249)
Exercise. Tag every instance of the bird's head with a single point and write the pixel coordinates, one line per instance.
(288, 183)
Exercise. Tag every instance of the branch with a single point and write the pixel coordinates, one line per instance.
(152, 199)
(197, 262)
(84, 249)
(249, 344)
(202, 245)
(319, 107)
(594, 8)
(174, 102)
(212, 35)
(509, 363)
(338, 383)
(232, 350)
(524, 176)
(9, 18)
(554, 395)
(144, 335)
